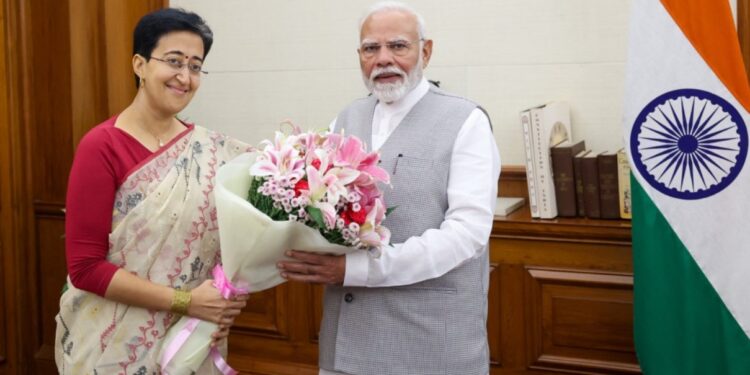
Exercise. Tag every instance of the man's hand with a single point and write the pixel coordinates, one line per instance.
(313, 268)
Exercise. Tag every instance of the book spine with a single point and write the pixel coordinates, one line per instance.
(578, 173)
(590, 172)
(565, 189)
(609, 198)
(623, 179)
(543, 166)
(530, 170)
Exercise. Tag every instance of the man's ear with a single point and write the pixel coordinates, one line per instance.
(426, 52)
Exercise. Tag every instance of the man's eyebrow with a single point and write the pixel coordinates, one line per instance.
(399, 38)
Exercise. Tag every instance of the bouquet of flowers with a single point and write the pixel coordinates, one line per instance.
(327, 182)
(305, 191)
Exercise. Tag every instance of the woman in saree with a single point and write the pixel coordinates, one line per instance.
(141, 231)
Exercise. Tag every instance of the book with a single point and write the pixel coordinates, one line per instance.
(529, 162)
(623, 179)
(549, 124)
(590, 175)
(578, 176)
(563, 176)
(505, 205)
(609, 197)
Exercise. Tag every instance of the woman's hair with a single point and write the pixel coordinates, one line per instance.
(156, 24)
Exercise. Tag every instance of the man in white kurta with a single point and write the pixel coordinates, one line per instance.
(441, 253)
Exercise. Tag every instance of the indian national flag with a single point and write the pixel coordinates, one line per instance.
(686, 118)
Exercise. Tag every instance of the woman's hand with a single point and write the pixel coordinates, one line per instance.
(223, 331)
(208, 304)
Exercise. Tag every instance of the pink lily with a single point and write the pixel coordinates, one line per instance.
(371, 232)
(278, 162)
(333, 141)
(335, 179)
(369, 194)
(350, 153)
(318, 189)
(317, 183)
(339, 178)
(373, 173)
(308, 142)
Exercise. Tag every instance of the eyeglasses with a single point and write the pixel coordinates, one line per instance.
(396, 47)
(177, 64)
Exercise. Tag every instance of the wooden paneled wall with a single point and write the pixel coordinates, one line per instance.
(7, 327)
(66, 67)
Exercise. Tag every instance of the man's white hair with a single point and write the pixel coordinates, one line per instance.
(385, 6)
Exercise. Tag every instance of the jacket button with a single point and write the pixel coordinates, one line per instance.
(348, 297)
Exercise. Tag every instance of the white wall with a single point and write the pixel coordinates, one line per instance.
(296, 59)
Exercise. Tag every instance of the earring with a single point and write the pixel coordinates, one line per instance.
(141, 83)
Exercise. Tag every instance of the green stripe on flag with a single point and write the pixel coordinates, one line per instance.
(681, 325)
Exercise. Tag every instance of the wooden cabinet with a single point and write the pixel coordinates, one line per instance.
(561, 296)
(277, 333)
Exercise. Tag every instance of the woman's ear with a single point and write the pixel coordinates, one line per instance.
(139, 65)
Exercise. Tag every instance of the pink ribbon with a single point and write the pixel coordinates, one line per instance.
(220, 363)
(227, 290)
(225, 286)
(178, 342)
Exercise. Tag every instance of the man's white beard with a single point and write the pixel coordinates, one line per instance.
(391, 92)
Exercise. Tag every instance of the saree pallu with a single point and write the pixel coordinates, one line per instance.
(164, 229)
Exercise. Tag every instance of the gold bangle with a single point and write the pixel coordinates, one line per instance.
(180, 302)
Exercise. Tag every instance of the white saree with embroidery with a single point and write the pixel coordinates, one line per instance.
(164, 229)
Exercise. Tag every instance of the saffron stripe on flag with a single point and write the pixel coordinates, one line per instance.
(709, 26)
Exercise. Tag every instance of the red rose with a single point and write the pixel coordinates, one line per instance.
(345, 216)
(299, 186)
(357, 216)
